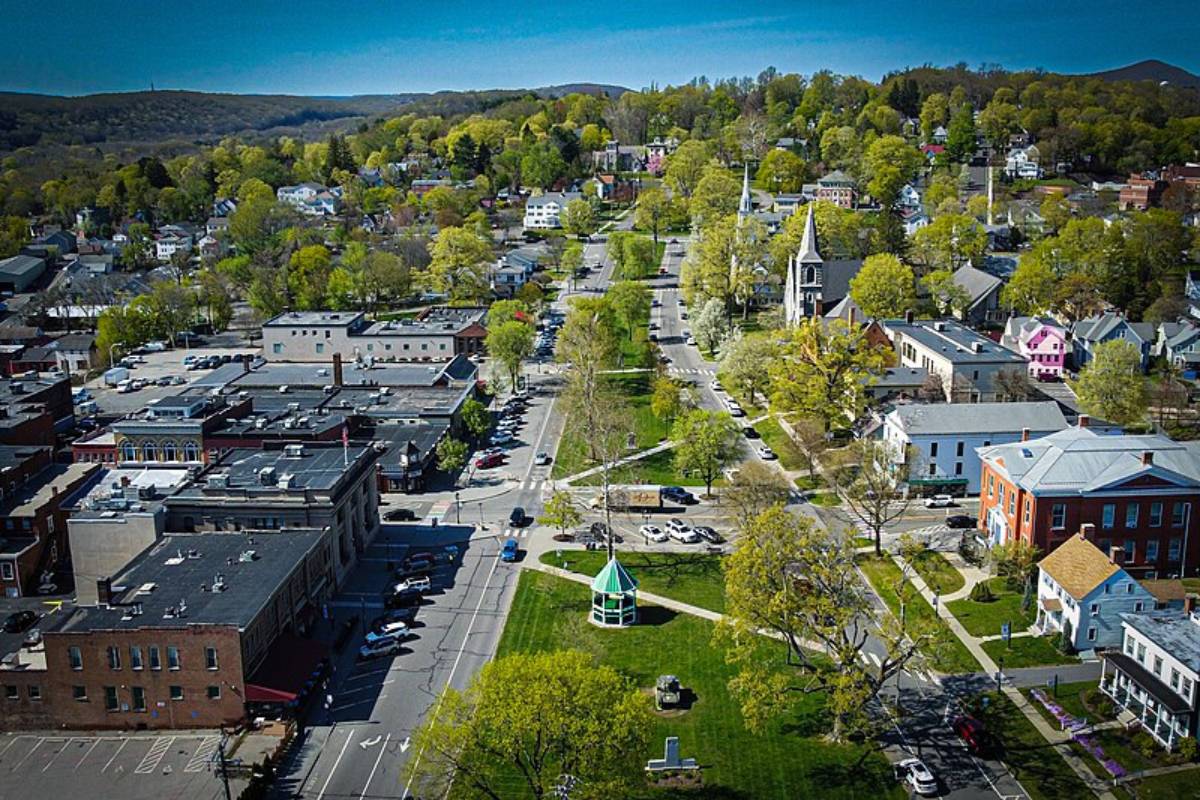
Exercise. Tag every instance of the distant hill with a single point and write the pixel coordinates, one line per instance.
(126, 117)
(1151, 70)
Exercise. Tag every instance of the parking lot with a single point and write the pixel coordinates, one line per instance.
(166, 364)
(132, 767)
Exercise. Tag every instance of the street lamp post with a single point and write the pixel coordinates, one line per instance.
(457, 510)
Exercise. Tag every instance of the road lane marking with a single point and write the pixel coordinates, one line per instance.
(453, 669)
(88, 753)
(329, 777)
(10, 744)
(378, 758)
(114, 755)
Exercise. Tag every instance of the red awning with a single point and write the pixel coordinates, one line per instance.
(290, 665)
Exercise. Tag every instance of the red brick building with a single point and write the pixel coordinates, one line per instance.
(1139, 492)
(1141, 192)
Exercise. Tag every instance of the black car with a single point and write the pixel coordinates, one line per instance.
(679, 495)
(396, 600)
(517, 517)
(416, 564)
(19, 621)
(749, 432)
(708, 534)
(400, 515)
(960, 521)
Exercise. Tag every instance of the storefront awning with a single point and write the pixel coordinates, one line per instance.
(288, 670)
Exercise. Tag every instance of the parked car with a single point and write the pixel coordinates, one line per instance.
(973, 734)
(517, 517)
(541, 459)
(680, 531)
(940, 501)
(653, 533)
(960, 521)
(164, 380)
(420, 584)
(405, 615)
(766, 453)
(154, 347)
(501, 437)
(415, 565)
(509, 551)
(749, 432)
(400, 515)
(19, 621)
(389, 630)
(715, 385)
(677, 494)
(708, 534)
(378, 648)
(918, 777)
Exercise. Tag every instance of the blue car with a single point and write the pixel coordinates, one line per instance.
(509, 552)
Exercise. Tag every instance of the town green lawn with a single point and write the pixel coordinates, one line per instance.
(950, 656)
(692, 578)
(825, 500)
(790, 456)
(789, 759)
(937, 572)
(1033, 760)
(985, 619)
(649, 430)
(1026, 651)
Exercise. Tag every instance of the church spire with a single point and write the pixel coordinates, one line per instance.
(808, 243)
(745, 208)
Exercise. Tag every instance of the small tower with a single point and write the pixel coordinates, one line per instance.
(745, 205)
(614, 596)
(803, 288)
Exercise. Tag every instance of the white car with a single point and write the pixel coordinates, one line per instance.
(914, 773)
(541, 459)
(691, 340)
(380, 647)
(680, 531)
(501, 438)
(766, 453)
(736, 411)
(389, 630)
(940, 501)
(653, 533)
(154, 347)
(422, 585)
(715, 385)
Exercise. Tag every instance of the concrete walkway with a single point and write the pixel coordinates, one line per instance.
(638, 456)
(1151, 773)
(1057, 738)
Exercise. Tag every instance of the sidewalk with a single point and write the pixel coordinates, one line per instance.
(1057, 738)
(587, 473)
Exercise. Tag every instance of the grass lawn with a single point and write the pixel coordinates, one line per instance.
(649, 429)
(790, 456)
(1173, 786)
(938, 574)
(950, 656)
(655, 468)
(693, 578)
(1034, 762)
(1027, 651)
(985, 619)
(790, 759)
(825, 500)
(1070, 697)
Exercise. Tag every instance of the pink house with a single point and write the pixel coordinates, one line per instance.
(1040, 340)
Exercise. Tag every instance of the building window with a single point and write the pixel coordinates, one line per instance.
(1109, 515)
(1156, 510)
(149, 451)
(1128, 645)
(1158, 665)
(933, 469)
(1174, 548)
(35, 692)
(128, 451)
(1091, 637)
(1174, 679)
(114, 657)
(958, 468)
(1141, 653)
(1028, 509)
(11, 692)
(139, 698)
(1177, 515)
(135, 658)
(1131, 515)
(1095, 609)
(1058, 516)
(933, 448)
(172, 658)
(170, 451)
(210, 658)
(1185, 690)
(75, 657)
(1012, 503)
(214, 693)
(155, 661)
(6, 570)
(277, 347)
(1138, 607)
(1130, 553)
(1152, 550)
(79, 693)
(958, 450)
(176, 692)
(191, 452)
(320, 347)
(991, 483)
(110, 699)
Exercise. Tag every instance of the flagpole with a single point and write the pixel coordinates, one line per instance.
(345, 445)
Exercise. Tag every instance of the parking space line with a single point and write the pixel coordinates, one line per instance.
(154, 755)
(203, 755)
(124, 742)
(10, 744)
(338, 760)
(27, 755)
(66, 744)
(88, 752)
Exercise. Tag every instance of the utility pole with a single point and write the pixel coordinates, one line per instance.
(224, 766)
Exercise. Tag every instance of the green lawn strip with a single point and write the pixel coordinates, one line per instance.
(693, 578)
(1026, 651)
(937, 572)
(1172, 786)
(950, 657)
(649, 429)
(656, 468)
(985, 619)
(1033, 760)
(778, 440)
(825, 500)
(790, 759)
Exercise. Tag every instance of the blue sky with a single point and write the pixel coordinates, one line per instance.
(384, 46)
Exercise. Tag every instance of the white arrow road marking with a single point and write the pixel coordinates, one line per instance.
(365, 743)
(405, 744)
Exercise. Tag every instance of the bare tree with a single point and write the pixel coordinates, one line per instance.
(1012, 385)
(809, 437)
(872, 484)
(933, 388)
(755, 488)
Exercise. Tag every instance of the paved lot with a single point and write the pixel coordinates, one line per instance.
(131, 767)
(158, 365)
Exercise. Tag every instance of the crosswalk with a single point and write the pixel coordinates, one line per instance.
(693, 370)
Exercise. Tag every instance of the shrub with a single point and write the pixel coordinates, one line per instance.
(982, 593)
(1065, 645)
(1145, 745)
(1189, 749)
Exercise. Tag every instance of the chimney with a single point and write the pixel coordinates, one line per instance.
(104, 591)
(337, 369)
(1117, 555)
(852, 315)
(124, 481)
(1084, 420)
(245, 366)
(1024, 434)
(908, 316)
(1147, 458)
(1088, 531)
(1189, 603)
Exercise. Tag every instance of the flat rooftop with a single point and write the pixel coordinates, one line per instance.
(198, 579)
(315, 468)
(296, 375)
(291, 319)
(953, 341)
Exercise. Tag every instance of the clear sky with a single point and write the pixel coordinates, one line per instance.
(341, 47)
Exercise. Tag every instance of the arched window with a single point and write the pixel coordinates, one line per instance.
(128, 451)
(169, 451)
(149, 451)
(191, 452)
(810, 275)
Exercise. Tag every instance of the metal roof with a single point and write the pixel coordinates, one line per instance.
(975, 418)
(614, 579)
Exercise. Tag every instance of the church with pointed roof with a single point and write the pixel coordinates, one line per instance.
(814, 285)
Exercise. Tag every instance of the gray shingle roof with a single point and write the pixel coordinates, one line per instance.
(976, 283)
(970, 418)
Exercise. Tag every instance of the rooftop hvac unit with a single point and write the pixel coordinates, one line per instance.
(293, 451)
(220, 481)
(289, 423)
(293, 406)
(248, 555)
(283, 389)
(286, 481)
(260, 423)
(266, 476)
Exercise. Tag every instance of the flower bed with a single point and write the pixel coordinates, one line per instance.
(1076, 726)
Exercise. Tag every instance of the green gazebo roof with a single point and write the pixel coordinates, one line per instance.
(613, 579)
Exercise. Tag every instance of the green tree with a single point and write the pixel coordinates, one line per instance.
(706, 443)
(685, 166)
(782, 171)
(510, 343)
(798, 581)
(947, 296)
(579, 218)
(560, 512)
(665, 398)
(997, 121)
(652, 210)
(451, 455)
(536, 717)
(884, 287)
(950, 241)
(1111, 386)
(631, 302)
(935, 110)
(1056, 211)
(960, 135)
(745, 364)
(756, 487)
(1017, 562)
(1031, 289)
(711, 326)
(476, 418)
(890, 163)
(459, 265)
(308, 276)
(507, 310)
(716, 195)
(542, 165)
